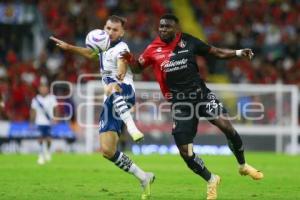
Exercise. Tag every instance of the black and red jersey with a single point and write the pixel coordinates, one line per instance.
(174, 64)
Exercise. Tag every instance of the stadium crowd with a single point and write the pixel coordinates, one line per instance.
(270, 28)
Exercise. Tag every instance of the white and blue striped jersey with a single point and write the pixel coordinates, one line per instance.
(108, 64)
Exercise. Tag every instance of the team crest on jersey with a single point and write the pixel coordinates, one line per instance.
(182, 43)
(211, 96)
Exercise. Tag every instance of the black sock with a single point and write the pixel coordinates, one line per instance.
(122, 161)
(236, 146)
(196, 164)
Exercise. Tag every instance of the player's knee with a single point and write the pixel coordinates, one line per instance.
(225, 126)
(228, 129)
(184, 153)
(108, 90)
(107, 152)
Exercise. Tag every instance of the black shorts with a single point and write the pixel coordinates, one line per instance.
(186, 116)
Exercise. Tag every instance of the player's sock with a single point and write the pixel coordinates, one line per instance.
(41, 157)
(123, 111)
(47, 152)
(236, 146)
(41, 148)
(197, 165)
(125, 163)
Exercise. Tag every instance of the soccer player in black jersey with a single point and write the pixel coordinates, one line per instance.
(172, 57)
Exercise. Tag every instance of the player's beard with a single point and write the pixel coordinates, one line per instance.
(167, 39)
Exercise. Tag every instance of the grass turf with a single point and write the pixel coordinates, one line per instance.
(92, 177)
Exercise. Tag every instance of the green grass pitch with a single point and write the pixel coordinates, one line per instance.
(92, 177)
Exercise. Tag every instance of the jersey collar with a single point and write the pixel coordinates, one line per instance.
(113, 44)
(174, 42)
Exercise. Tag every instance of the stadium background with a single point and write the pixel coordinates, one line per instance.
(270, 28)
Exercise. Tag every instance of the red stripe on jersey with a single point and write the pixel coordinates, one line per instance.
(156, 55)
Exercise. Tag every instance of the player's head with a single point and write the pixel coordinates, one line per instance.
(115, 27)
(168, 26)
(43, 89)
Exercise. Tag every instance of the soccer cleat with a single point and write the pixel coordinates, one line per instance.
(251, 171)
(147, 186)
(137, 136)
(212, 188)
(41, 160)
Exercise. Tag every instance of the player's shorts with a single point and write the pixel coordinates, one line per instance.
(186, 116)
(109, 119)
(44, 130)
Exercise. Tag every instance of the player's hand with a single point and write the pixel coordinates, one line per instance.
(121, 76)
(61, 44)
(127, 56)
(247, 53)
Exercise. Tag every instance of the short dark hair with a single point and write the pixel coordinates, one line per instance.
(116, 18)
(170, 17)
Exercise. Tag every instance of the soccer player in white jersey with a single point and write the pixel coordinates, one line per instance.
(43, 108)
(119, 90)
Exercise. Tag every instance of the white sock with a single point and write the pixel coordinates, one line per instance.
(243, 165)
(41, 149)
(131, 127)
(125, 163)
(137, 172)
(212, 178)
(124, 112)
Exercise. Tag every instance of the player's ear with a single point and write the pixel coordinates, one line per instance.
(122, 32)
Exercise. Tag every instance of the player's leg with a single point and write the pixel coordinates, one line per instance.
(217, 115)
(118, 95)
(47, 142)
(41, 157)
(48, 156)
(108, 144)
(109, 127)
(184, 131)
(236, 146)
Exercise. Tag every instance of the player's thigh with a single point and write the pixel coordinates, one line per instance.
(109, 120)
(210, 107)
(184, 124)
(112, 87)
(223, 123)
(108, 142)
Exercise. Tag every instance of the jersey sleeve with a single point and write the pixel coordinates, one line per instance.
(145, 58)
(121, 48)
(34, 104)
(200, 47)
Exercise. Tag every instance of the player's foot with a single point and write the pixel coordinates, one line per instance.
(146, 184)
(137, 136)
(251, 171)
(41, 160)
(48, 157)
(212, 188)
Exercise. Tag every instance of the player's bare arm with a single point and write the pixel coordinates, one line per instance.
(82, 51)
(229, 53)
(32, 115)
(122, 69)
(134, 64)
